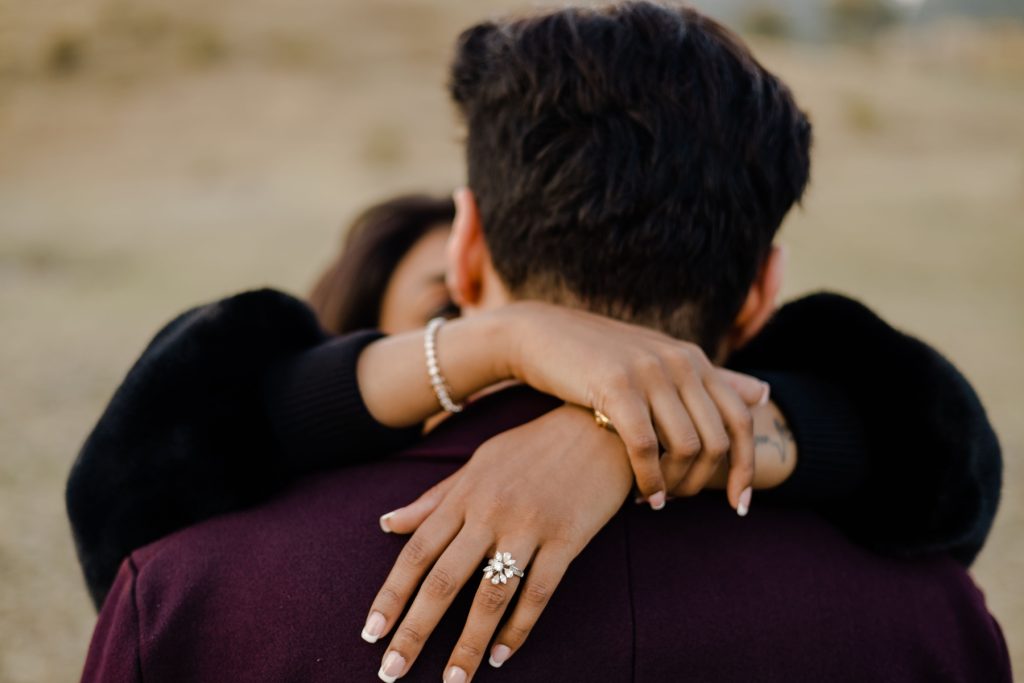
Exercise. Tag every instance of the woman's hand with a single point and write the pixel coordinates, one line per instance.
(657, 391)
(539, 492)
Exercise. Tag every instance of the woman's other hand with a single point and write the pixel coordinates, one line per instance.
(661, 394)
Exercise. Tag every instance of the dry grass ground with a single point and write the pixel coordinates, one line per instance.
(157, 154)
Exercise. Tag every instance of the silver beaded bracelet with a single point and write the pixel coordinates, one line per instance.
(441, 388)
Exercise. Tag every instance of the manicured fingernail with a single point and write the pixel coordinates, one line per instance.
(499, 655)
(374, 628)
(763, 401)
(657, 500)
(744, 505)
(455, 675)
(385, 524)
(392, 667)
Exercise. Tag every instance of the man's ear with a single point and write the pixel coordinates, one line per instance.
(467, 251)
(762, 299)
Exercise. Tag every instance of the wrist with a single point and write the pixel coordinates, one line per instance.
(507, 329)
(472, 353)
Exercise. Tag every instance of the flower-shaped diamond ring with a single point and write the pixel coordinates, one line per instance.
(501, 568)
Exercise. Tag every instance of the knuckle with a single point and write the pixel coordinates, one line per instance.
(644, 445)
(647, 364)
(565, 534)
(469, 650)
(678, 357)
(409, 634)
(415, 552)
(690, 446)
(716, 447)
(515, 635)
(744, 422)
(684, 451)
(698, 358)
(717, 456)
(684, 367)
(440, 583)
(536, 593)
(680, 456)
(619, 381)
(491, 598)
(388, 597)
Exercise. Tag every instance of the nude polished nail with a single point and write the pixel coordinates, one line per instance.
(763, 401)
(744, 504)
(392, 668)
(455, 674)
(374, 628)
(657, 500)
(499, 655)
(385, 521)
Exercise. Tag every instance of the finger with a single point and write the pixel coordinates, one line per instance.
(714, 438)
(753, 391)
(456, 565)
(488, 607)
(676, 432)
(632, 420)
(417, 556)
(740, 424)
(737, 422)
(545, 573)
(406, 519)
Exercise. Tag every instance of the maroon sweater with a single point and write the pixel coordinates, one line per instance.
(693, 592)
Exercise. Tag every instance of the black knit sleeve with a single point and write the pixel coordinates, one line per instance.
(187, 436)
(933, 468)
(317, 412)
(832, 444)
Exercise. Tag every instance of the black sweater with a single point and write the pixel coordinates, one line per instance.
(232, 400)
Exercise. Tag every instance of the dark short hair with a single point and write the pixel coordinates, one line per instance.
(634, 159)
(349, 293)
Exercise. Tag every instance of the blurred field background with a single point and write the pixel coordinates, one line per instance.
(156, 154)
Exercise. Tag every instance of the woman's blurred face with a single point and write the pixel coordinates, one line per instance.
(416, 292)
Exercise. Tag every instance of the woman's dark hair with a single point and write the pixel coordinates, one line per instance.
(349, 293)
(634, 158)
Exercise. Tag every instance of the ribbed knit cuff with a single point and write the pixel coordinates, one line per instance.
(317, 411)
(832, 452)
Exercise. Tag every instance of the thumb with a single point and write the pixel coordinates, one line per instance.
(753, 391)
(406, 520)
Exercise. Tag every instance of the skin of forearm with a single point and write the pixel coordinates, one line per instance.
(392, 372)
(474, 354)
(775, 450)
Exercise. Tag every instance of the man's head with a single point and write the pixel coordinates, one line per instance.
(635, 160)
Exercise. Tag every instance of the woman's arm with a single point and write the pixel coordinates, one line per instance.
(933, 467)
(655, 389)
